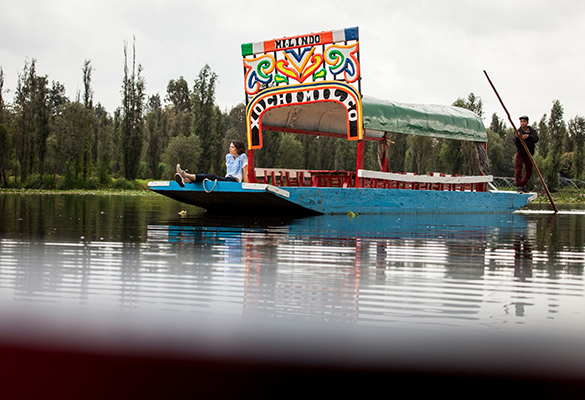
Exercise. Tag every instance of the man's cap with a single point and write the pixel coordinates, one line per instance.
(524, 117)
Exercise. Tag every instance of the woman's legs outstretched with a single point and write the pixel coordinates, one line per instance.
(182, 177)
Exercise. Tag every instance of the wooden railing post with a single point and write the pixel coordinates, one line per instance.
(361, 153)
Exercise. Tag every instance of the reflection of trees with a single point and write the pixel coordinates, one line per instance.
(554, 236)
(82, 216)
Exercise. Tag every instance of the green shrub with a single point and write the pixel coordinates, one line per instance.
(567, 169)
(12, 183)
(183, 150)
(51, 182)
(103, 171)
(33, 181)
(143, 171)
(161, 170)
(92, 183)
(141, 184)
(123, 184)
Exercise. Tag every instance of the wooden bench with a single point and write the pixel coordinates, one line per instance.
(283, 176)
(332, 178)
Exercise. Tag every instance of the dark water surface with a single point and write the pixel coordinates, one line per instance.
(131, 272)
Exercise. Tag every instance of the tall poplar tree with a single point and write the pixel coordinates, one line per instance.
(397, 148)
(498, 126)
(206, 119)
(557, 131)
(71, 136)
(42, 121)
(291, 152)
(1, 95)
(459, 157)
(178, 114)
(472, 103)
(87, 90)
(179, 95)
(422, 153)
(156, 134)
(32, 120)
(543, 144)
(133, 95)
(236, 124)
(92, 152)
(104, 148)
(24, 117)
(5, 145)
(577, 130)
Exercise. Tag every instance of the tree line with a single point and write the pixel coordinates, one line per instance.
(48, 140)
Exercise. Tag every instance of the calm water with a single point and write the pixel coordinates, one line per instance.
(87, 264)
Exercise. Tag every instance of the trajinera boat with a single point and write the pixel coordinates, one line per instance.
(311, 85)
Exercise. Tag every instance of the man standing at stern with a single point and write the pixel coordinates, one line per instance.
(530, 138)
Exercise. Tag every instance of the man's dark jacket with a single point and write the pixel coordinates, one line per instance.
(530, 141)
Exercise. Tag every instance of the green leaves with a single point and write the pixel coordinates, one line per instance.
(184, 150)
(133, 99)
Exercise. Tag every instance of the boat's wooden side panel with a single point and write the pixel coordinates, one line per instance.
(230, 197)
(379, 201)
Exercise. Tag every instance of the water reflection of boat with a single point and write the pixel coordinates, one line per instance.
(324, 267)
(331, 105)
(457, 244)
(399, 226)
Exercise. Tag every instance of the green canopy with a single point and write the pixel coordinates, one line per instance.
(448, 122)
(380, 116)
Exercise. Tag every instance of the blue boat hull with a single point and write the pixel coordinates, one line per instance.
(225, 197)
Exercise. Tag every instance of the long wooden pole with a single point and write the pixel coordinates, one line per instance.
(519, 136)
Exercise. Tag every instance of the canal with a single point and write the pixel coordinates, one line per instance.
(496, 294)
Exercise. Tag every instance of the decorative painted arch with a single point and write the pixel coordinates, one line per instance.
(318, 92)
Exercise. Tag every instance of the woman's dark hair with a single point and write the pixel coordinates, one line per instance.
(239, 145)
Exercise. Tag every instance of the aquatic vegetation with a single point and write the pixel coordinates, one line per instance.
(564, 196)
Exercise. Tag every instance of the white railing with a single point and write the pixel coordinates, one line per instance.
(434, 178)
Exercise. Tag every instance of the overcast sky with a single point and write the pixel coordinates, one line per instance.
(415, 51)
